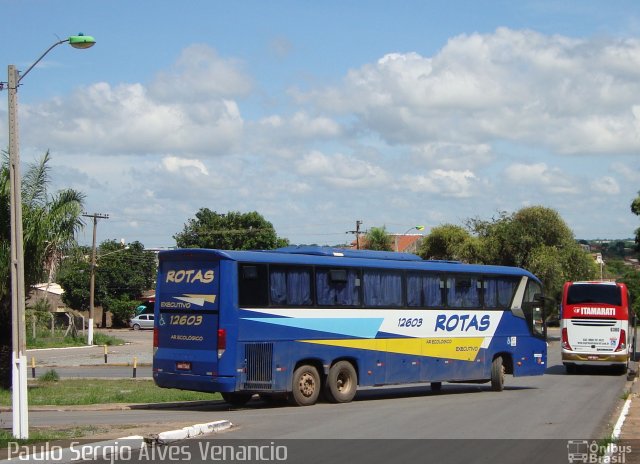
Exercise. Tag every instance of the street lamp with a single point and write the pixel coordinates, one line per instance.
(407, 231)
(19, 356)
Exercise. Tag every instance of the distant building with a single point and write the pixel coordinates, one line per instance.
(407, 243)
(403, 243)
(52, 293)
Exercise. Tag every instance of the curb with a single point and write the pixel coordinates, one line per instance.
(617, 428)
(112, 449)
(117, 406)
(193, 431)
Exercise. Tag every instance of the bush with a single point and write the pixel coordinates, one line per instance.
(121, 310)
(50, 376)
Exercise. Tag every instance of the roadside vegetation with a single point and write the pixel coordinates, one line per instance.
(59, 340)
(48, 392)
(48, 434)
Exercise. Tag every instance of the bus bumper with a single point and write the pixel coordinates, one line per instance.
(194, 382)
(594, 359)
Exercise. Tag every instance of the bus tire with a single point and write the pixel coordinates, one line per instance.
(306, 386)
(341, 383)
(571, 368)
(497, 374)
(236, 399)
(436, 387)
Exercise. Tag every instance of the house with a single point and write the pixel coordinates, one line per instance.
(403, 243)
(51, 292)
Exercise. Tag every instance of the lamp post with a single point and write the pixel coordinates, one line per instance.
(406, 232)
(19, 356)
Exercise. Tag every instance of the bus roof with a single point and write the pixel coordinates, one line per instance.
(329, 256)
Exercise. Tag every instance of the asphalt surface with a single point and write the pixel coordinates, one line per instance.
(89, 362)
(138, 349)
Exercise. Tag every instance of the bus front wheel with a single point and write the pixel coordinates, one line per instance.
(306, 386)
(341, 383)
(497, 374)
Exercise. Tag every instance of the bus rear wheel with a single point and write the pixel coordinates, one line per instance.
(341, 383)
(497, 374)
(306, 386)
(236, 399)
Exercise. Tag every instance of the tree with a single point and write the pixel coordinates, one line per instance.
(121, 276)
(449, 242)
(535, 238)
(49, 226)
(635, 209)
(377, 238)
(231, 231)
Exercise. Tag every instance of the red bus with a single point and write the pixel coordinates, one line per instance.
(597, 325)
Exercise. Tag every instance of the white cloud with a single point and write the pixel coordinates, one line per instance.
(571, 95)
(200, 74)
(454, 128)
(453, 155)
(606, 185)
(186, 110)
(341, 171)
(552, 180)
(448, 183)
(188, 166)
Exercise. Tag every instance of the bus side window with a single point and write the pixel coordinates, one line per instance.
(290, 286)
(463, 292)
(337, 287)
(253, 285)
(498, 291)
(382, 288)
(424, 290)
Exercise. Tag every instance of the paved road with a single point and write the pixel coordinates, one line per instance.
(139, 344)
(552, 406)
(550, 410)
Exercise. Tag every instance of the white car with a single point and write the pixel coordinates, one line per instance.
(142, 321)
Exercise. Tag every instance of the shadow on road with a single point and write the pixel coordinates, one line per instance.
(559, 369)
(367, 394)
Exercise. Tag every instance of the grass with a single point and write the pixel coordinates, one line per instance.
(37, 436)
(45, 340)
(69, 392)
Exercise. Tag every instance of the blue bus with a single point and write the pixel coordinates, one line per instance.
(304, 321)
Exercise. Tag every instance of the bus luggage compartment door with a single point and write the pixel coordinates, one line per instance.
(188, 343)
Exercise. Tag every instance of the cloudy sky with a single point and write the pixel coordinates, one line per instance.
(319, 114)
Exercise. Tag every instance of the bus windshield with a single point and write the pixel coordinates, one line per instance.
(602, 294)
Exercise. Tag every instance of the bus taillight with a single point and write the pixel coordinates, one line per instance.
(622, 344)
(155, 340)
(222, 342)
(565, 340)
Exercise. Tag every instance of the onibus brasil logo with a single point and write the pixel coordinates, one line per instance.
(590, 452)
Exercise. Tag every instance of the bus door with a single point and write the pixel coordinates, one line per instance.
(187, 317)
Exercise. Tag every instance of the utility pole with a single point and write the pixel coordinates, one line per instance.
(357, 233)
(92, 284)
(18, 331)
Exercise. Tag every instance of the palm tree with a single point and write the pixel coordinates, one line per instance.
(378, 239)
(49, 226)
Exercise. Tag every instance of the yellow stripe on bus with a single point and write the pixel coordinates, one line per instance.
(461, 348)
